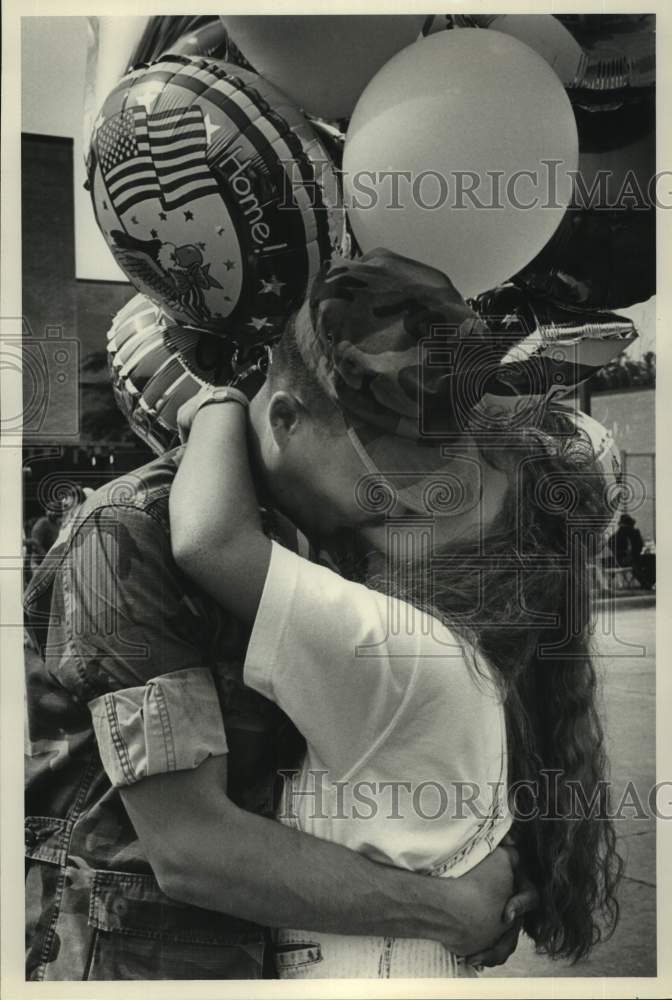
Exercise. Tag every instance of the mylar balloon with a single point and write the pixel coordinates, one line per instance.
(547, 349)
(156, 365)
(207, 40)
(210, 39)
(322, 61)
(603, 255)
(598, 259)
(215, 196)
(477, 135)
(160, 34)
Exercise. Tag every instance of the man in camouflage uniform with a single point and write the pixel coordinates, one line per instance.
(114, 623)
(108, 610)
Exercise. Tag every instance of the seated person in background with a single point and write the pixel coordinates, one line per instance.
(626, 543)
(43, 534)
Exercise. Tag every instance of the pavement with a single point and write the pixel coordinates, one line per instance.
(626, 660)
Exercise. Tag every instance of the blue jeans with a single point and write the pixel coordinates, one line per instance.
(310, 955)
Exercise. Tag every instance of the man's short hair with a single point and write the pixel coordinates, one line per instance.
(288, 369)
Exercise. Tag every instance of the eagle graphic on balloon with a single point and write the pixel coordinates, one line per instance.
(173, 274)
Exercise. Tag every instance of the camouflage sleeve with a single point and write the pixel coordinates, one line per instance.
(173, 723)
(126, 617)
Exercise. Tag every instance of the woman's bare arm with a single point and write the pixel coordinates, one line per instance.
(215, 527)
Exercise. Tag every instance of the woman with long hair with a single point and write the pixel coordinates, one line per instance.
(451, 653)
(526, 607)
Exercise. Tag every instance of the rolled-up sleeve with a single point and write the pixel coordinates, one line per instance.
(127, 616)
(171, 723)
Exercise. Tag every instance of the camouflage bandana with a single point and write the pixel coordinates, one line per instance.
(406, 361)
(366, 330)
(386, 337)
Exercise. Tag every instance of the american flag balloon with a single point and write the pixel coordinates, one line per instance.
(156, 365)
(215, 196)
(177, 172)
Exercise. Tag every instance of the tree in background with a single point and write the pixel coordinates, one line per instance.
(625, 373)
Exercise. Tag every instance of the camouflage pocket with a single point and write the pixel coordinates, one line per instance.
(84, 924)
(142, 934)
(45, 839)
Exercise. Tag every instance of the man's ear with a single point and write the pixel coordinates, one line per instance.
(284, 416)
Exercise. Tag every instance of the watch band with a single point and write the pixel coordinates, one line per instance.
(224, 394)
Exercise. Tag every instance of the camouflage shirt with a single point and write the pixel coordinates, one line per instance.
(109, 610)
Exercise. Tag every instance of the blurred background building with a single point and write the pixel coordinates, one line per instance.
(72, 427)
(72, 288)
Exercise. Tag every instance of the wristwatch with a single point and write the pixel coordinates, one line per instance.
(223, 394)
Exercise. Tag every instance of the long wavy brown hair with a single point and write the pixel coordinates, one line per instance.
(535, 616)
(521, 597)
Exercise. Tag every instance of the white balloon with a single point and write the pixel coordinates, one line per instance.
(547, 36)
(477, 125)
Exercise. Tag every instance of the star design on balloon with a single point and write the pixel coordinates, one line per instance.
(134, 220)
(273, 285)
(188, 216)
(147, 94)
(163, 216)
(154, 233)
(259, 322)
(229, 264)
(210, 128)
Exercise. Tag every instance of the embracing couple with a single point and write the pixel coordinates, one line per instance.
(253, 754)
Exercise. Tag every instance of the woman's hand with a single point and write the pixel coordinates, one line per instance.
(188, 410)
